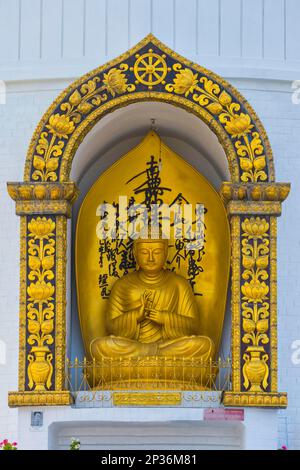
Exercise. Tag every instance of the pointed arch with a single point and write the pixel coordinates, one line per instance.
(150, 71)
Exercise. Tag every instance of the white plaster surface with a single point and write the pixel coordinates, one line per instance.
(147, 428)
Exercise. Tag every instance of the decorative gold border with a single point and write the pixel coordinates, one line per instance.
(273, 303)
(44, 207)
(236, 303)
(23, 305)
(88, 123)
(264, 400)
(253, 207)
(255, 307)
(146, 399)
(60, 318)
(254, 191)
(59, 398)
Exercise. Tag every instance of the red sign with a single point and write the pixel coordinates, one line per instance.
(223, 414)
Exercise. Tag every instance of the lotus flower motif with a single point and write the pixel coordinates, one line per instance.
(255, 291)
(60, 125)
(41, 227)
(239, 125)
(40, 291)
(255, 227)
(115, 81)
(185, 82)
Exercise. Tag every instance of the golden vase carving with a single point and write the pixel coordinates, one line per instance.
(255, 369)
(40, 369)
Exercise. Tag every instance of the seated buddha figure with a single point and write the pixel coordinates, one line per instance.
(152, 312)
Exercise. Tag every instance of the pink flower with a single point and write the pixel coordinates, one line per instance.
(284, 447)
(14, 444)
(5, 441)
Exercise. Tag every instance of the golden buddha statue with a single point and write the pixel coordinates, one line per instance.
(152, 312)
(151, 316)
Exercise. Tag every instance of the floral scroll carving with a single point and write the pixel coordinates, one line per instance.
(150, 71)
(255, 302)
(62, 124)
(40, 306)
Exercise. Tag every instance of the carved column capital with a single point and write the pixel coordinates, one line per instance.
(254, 198)
(43, 198)
(254, 191)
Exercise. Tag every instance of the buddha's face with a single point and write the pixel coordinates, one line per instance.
(151, 256)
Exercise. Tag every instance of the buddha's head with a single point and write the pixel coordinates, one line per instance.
(151, 254)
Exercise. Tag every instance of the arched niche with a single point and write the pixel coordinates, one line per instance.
(149, 72)
(183, 132)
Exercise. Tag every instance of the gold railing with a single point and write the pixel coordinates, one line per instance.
(150, 373)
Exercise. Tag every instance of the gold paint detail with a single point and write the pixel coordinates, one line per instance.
(43, 191)
(254, 207)
(254, 191)
(150, 69)
(258, 400)
(235, 302)
(67, 118)
(23, 297)
(60, 304)
(83, 103)
(61, 125)
(227, 111)
(57, 398)
(155, 374)
(255, 302)
(43, 198)
(146, 399)
(211, 268)
(40, 306)
(273, 304)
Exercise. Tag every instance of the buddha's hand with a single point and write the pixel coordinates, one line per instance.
(141, 311)
(156, 316)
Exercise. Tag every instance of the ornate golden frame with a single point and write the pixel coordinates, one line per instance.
(150, 71)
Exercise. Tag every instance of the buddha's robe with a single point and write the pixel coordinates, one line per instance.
(177, 336)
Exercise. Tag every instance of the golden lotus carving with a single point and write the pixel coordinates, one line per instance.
(60, 125)
(101, 265)
(238, 124)
(40, 309)
(255, 228)
(40, 368)
(116, 82)
(185, 82)
(255, 305)
(48, 193)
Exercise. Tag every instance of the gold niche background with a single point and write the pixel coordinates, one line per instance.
(100, 263)
(149, 71)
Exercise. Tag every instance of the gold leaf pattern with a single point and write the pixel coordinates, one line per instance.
(255, 306)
